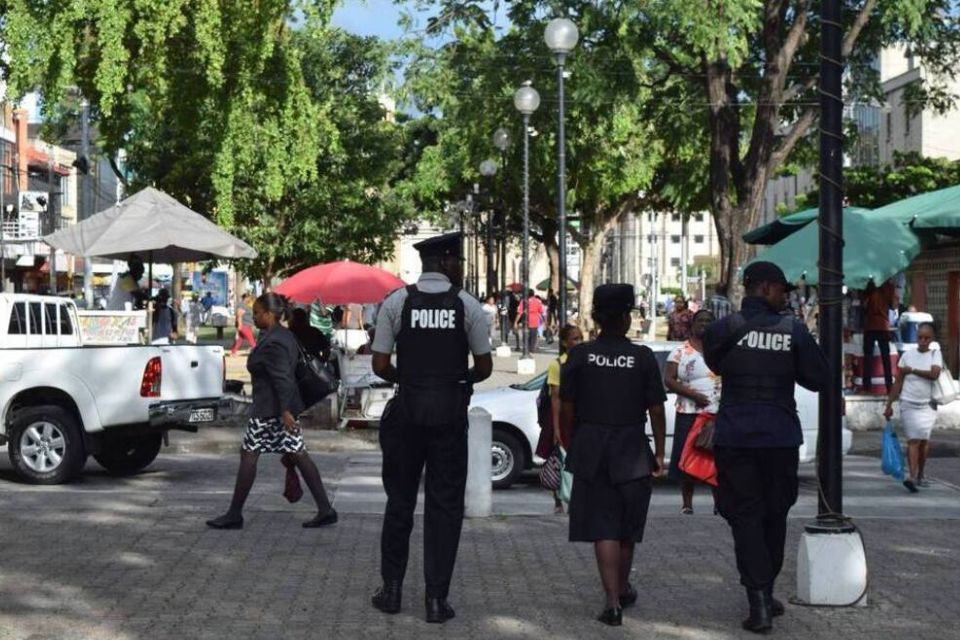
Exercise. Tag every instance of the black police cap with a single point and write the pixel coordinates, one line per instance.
(762, 271)
(448, 244)
(613, 297)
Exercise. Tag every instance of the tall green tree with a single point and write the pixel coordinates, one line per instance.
(468, 83)
(255, 113)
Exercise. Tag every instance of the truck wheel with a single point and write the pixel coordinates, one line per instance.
(45, 446)
(508, 459)
(125, 455)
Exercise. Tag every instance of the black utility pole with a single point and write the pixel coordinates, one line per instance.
(829, 463)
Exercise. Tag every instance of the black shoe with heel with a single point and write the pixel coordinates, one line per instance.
(612, 616)
(226, 521)
(629, 597)
(330, 517)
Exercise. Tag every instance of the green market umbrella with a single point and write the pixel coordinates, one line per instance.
(543, 285)
(774, 232)
(875, 248)
(934, 211)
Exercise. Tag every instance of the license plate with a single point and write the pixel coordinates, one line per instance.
(202, 415)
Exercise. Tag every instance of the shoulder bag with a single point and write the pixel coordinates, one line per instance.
(945, 388)
(314, 379)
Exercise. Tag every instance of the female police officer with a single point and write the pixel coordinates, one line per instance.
(608, 386)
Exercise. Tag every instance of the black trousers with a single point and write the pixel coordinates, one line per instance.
(882, 340)
(407, 448)
(756, 488)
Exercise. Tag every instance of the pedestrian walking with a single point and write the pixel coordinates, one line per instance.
(761, 353)
(878, 302)
(531, 311)
(698, 391)
(491, 312)
(243, 323)
(273, 425)
(548, 410)
(918, 371)
(608, 387)
(434, 325)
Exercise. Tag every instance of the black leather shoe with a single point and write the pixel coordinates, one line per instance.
(776, 607)
(629, 597)
(612, 616)
(387, 598)
(760, 620)
(439, 610)
(226, 521)
(330, 517)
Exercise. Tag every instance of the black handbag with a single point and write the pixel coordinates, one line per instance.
(315, 381)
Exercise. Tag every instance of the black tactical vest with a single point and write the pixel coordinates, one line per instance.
(760, 367)
(610, 382)
(432, 347)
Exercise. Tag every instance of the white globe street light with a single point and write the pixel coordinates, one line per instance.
(526, 100)
(501, 139)
(488, 168)
(561, 37)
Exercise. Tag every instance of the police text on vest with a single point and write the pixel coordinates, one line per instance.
(433, 319)
(619, 362)
(766, 341)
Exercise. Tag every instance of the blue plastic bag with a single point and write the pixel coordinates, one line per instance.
(891, 455)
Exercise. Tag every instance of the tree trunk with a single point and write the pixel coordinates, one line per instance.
(553, 257)
(175, 294)
(592, 249)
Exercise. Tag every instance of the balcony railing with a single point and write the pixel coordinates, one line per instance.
(31, 226)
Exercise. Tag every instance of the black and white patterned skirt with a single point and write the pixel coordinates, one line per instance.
(267, 435)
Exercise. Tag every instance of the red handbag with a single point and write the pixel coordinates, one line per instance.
(292, 490)
(695, 461)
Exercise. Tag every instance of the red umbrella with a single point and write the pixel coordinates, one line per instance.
(340, 283)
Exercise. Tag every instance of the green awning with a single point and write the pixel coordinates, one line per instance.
(875, 248)
(935, 210)
(774, 232)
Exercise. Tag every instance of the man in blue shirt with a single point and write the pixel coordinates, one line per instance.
(761, 352)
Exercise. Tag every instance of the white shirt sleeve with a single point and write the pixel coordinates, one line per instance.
(476, 325)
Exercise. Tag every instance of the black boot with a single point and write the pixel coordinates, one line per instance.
(387, 598)
(760, 620)
(438, 610)
(776, 607)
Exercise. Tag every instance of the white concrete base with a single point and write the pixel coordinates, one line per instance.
(526, 367)
(832, 569)
(478, 497)
(503, 351)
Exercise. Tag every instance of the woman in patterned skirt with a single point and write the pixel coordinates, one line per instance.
(273, 426)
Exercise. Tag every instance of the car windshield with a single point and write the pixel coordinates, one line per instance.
(533, 384)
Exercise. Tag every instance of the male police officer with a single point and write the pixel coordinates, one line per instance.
(760, 352)
(434, 325)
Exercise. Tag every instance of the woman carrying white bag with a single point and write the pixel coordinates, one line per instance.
(917, 376)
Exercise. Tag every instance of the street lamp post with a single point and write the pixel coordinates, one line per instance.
(561, 37)
(488, 169)
(526, 100)
(501, 140)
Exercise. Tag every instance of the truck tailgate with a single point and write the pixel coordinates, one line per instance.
(191, 372)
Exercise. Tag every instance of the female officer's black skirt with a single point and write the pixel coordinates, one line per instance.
(602, 510)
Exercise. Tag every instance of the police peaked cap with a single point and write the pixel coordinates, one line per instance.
(448, 244)
(613, 297)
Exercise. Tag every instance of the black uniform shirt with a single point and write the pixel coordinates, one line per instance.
(763, 424)
(613, 382)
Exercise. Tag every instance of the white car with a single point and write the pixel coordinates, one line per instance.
(515, 428)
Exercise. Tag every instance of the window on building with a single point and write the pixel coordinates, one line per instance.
(674, 262)
(698, 239)
(889, 125)
(906, 121)
(698, 217)
(675, 217)
(675, 239)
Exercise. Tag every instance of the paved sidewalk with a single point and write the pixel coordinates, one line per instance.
(131, 560)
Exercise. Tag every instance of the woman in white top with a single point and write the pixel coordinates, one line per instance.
(918, 369)
(698, 390)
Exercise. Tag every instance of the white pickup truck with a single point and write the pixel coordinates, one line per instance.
(61, 400)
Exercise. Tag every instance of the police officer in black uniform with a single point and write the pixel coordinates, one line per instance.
(434, 326)
(760, 352)
(607, 389)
